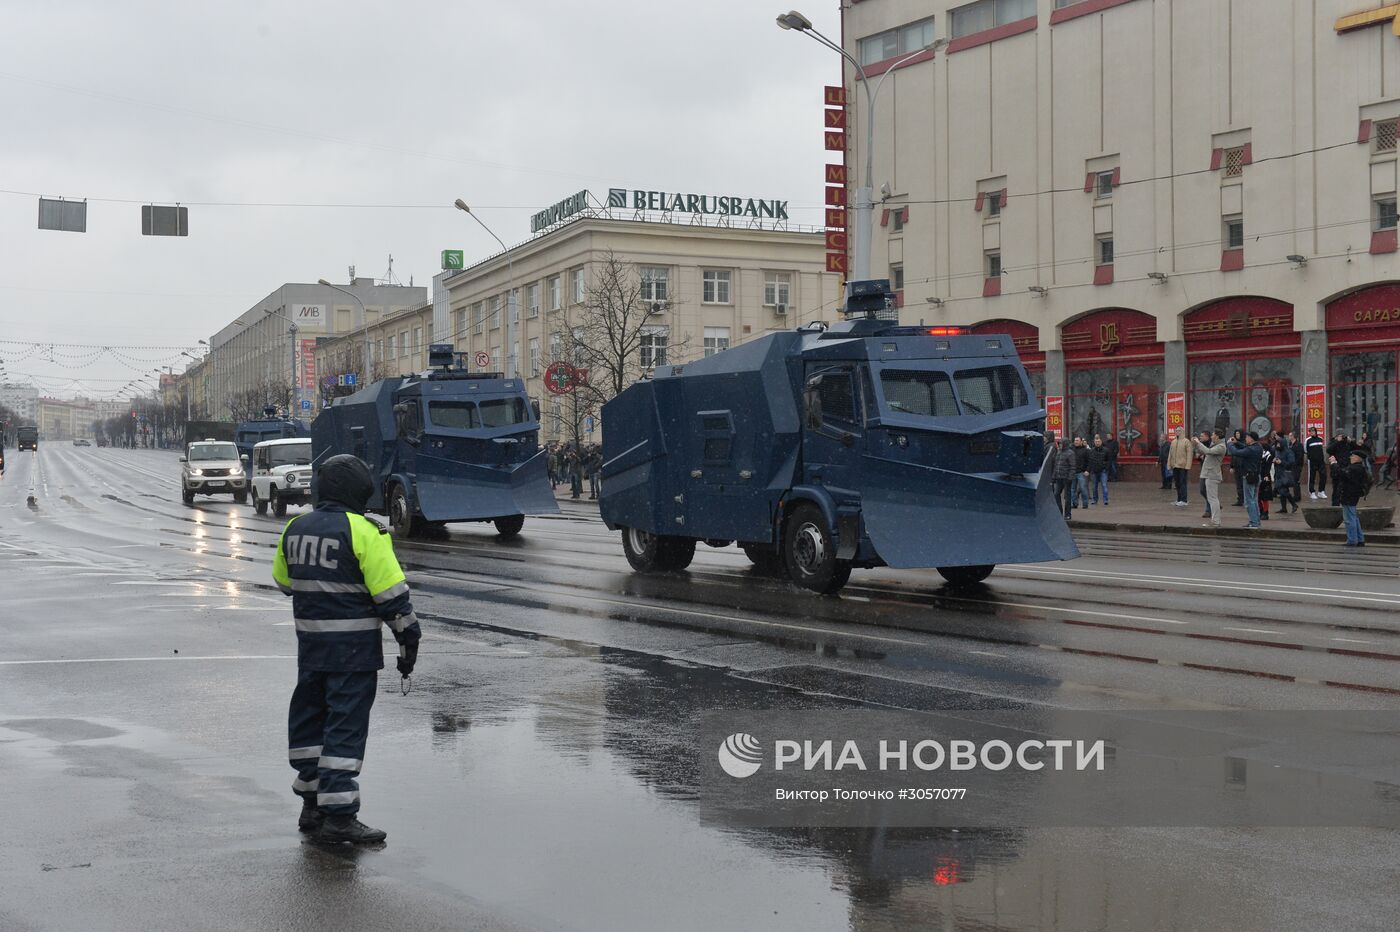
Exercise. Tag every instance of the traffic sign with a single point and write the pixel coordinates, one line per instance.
(305, 404)
(349, 378)
(482, 359)
(560, 378)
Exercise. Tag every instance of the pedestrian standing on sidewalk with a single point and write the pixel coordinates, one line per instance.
(1164, 450)
(1212, 452)
(1110, 444)
(1368, 452)
(1245, 458)
(1098, 472)
(1081, 473)
(1286, 474)
(1266, 478)
(1237, 438)
(573, 465)
(1062, 474)
(1392, 462)
(1316, 450)
(1353, 484)
(595, 470)
(1179, 462)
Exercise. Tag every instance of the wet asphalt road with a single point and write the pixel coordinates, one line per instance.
(540, 774)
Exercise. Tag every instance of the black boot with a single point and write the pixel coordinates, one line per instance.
(311, 817)
(342, 828)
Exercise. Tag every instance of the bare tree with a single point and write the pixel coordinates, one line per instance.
(248, 404)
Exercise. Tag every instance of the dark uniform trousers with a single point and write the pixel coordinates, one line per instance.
(345, 583)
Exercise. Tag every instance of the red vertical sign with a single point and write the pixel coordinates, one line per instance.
(1315, 409)
(1055, 414)
(1176, 412)
(835, 136)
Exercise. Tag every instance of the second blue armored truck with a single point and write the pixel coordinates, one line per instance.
(822, 450)
(444, 446)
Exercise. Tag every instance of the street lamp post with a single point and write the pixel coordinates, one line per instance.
(510, 295)
(365, 374)
(865, 194)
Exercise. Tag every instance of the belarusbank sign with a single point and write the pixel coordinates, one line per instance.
(726, 205)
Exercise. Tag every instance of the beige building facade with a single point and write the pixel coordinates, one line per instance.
(1180, 209)
(397, 345)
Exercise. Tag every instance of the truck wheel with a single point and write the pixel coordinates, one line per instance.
(259, 503)
(509, 526)
(240, 498)
(965, 575)
(402, 520)
(279, 507)
(186, 495)
(810, 553)
(641, 549)
(676, 553)
(765, 557)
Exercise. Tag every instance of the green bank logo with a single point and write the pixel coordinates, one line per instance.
(617, 198)
(452, 259)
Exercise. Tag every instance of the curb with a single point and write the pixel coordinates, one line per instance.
(1325, 537)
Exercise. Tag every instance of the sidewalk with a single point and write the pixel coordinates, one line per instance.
(1142, 506)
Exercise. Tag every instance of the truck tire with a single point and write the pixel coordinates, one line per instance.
(509, 526)
(965, 575)
(186, 495)
(279, 507)
(259, 503)
(809, 553)
(765, 557)
(650, 553)
(402, 521)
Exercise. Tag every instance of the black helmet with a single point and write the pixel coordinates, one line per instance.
(345, 480)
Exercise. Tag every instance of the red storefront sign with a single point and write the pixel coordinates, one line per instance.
(1315, 409)
(1025, 337)
(836, 262)
(1110, 336)
(836, 119)
(835, 218)
(1253, 325)
(836, 174)
(836, 240)
(1366, 315)
(835, 197)
(835, 96)
(1176, 412)
(836, 141)
(1055, 414)
(308, 362)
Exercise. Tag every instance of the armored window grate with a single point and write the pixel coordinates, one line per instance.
(1383, 135)
(838, 398)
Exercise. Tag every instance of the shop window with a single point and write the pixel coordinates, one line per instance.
(1261, 395)
(1125, 400)
(1364, 396)
(1385, 213)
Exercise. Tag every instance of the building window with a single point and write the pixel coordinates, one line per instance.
(393, 347)
(459, 323)
(1383, 135)
(715, 287)
(576, 278)
(495, 315)
(403, 342)
(1234, 233)
(496, 359)
(534, 356)
(1234, 162)
(897, 220)
(716, 340)
(418, 339)
(513, 297)
(1103, 185)
(556, 345)
(993, 204)
(993, 265)
(897, 277)
(988, 14)
(655, 280)
(515, 356)
(532, 299)
(777, 289)
(1104, 252)
(479, 317)
(554, 296)
(896, 42)
(653, 346)
(1385, 213)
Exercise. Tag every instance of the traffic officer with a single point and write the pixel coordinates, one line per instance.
(340, 570)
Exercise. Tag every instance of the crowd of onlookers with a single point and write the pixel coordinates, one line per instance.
(1264, 470)
(574, 464)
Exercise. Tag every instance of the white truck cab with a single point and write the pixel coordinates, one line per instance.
(281, 474)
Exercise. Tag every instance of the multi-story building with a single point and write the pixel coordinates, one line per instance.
(65, 419)
(397, 344)
(259, 355)
(1180, 209)
(23, 400)
(704, 285)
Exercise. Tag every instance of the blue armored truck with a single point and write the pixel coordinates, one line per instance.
(823, 450)
(446, 445)
(251, 433)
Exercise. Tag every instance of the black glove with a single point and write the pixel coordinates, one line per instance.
(408, 656)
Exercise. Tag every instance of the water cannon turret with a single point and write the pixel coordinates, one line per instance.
(441, 355)
(870, 300)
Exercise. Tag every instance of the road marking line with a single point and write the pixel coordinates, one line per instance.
(1203, 583)
(22, 663)
(1352, 641)
(1252, 630)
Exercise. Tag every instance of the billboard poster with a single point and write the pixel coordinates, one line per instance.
(1176, 412)
(307, 350)
(1315, 409)
(1055, 414)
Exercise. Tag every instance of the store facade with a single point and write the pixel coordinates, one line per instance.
(1243, 366)
(1026, 339)
(1114, 378)
(1363, 349)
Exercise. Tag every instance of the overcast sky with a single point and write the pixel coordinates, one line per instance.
(508, 105)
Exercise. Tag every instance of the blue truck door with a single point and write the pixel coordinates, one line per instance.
(833, 439)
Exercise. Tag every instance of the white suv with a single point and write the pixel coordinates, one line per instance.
(212, 467)
(281, 474)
